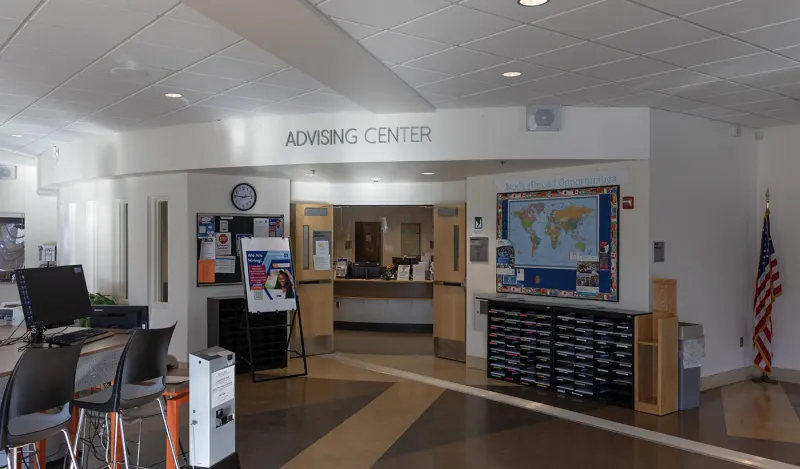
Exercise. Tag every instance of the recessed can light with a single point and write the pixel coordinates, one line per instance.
(16, 135)
(428, 174)
(173, 95)
(532, 3)
(512, 74)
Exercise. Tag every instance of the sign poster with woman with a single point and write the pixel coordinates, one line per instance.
(267, 264)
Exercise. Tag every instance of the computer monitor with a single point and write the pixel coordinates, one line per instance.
(53, 296)
(120, 317)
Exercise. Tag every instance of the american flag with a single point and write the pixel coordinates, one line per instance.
(768, 287)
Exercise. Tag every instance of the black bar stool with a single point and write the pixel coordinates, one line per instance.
(43, 379)
(139, 380)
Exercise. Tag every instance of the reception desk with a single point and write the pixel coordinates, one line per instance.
(383, 305)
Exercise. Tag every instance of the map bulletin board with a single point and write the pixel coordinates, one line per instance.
(562, 243)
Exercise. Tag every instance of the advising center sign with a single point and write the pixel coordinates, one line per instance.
(566, 181)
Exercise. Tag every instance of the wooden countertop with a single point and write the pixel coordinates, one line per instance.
(9, 354)
(387, 282)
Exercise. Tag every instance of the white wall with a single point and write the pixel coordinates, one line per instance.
(634, 257)
(703, 205)
(101, 259)
(19, 196)
(456, 134)
(399, 193)
(210, 193)
(778, 168)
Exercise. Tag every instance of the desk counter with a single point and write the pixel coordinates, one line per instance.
(383, 305)
(376, 289)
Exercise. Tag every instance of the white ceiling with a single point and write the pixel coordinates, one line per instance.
(410, 171)
(735, 61)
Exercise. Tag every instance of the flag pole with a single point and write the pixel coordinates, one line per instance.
(765, 377)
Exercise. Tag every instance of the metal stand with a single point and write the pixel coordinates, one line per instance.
(296, 319)
(765, 379)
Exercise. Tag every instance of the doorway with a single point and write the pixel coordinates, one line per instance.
(368, 242)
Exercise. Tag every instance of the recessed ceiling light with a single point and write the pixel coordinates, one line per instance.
(173, 95)
(512, 74)
(532, 3)
(428, 174)
(376, 179)
(16, 135)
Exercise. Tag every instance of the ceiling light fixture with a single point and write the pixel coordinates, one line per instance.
(376, 179)
(428, 174)
(512, 74)
(16, 135)
(173, 95)
(532, 3)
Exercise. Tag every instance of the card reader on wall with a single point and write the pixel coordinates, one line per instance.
(212, 433)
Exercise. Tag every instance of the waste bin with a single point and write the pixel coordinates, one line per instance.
(691, 348)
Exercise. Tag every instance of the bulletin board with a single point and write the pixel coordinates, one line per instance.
(561, 243)
(218, 259)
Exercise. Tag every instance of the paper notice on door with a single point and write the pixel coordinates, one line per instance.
(322, 248)
(225, 265)
(261, 228)
(208, 249)
(322, 262)
(222, 389)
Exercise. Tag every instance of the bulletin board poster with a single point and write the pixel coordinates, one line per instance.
(562, 243)
(269, 276)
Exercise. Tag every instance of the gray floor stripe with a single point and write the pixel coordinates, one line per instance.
(704, 449)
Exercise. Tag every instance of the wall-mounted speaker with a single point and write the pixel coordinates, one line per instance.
(543, 118)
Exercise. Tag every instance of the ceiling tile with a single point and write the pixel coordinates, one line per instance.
(324, 101)
(17, 9)
(15, 143)
(50, 104)
(495, 74)
(676, 104)
(234, 102)
(264, 92)
(356, 30)
(627, 69)
(740, 97)
(771, 78)
(658, 36)
(189, 36)
(116, 68)
(102, 124)
(602, 18)
(562, 83)
(42, 75)
(672, 79)
(29, 125)
(139, 54)
(713, 50)
(59, 39)
(790, 115)
(456, 87)
(93, 18)
(294, 79)
(753, 121)
(682, 7)
(416, 76)
(384, 14)
(232, 68)
(246, 50)
(188, 115)
(771, 105)
(399, 48)
(792, 89)
(706, 89)
(521, 42)
(92, 97)
(287, 109)
(744, 15)
(585, 54)
(64, 117)
(6, 112)
(456, 25)
(138, 108)
(24, 89)
(30, 57)
(16, 100)
(7, 28)
(602, 92)
(765, 61)
(793, 52)
(159, 92)
(155, 7)
(635, 100)
(188, 14)
(509, 96)
(775, 36)
(457, 61)
(195, 81)
(713, 112)
(517, 12)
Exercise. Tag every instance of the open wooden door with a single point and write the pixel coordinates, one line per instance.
(449, 288)
(311, 223)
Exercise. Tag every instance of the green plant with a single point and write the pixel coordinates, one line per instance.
(97, 299)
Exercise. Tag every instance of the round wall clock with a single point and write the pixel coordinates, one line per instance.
(243, 196)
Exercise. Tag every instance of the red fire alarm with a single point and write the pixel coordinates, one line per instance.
(627, 203)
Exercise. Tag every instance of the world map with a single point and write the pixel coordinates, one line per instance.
(553, 232)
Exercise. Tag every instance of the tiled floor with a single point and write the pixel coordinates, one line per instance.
(345, 416)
